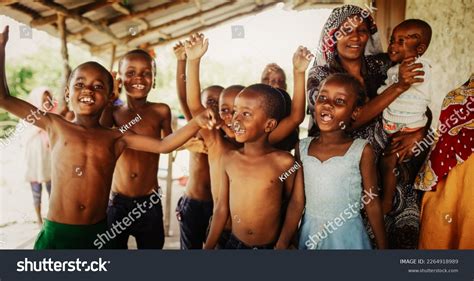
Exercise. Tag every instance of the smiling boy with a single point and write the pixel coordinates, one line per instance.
(84, 154)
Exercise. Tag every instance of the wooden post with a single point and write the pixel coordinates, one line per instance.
(169, 184)
(112, 59)
(65, 59)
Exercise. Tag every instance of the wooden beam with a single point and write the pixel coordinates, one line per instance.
(121, 8)
(173, 22)
(24, 9)
(83, 20)
(79, 10)
(8, 2)
(145, 12)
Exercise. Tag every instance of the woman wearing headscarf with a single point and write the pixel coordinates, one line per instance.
(37, 150)
(447, 215)
(349, 43)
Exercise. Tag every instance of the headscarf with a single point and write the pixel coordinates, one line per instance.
(36, 98)
(326, 53)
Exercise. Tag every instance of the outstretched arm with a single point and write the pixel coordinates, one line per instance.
(221, 212)
(407, 76)
(373, 207)
(205, 120)
(195, 48)
(301, 60)
(16, 106)
(180, 54)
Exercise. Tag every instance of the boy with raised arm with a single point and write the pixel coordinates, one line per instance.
(84, 153)
(194, 208)
(257, 179)
(216, 142)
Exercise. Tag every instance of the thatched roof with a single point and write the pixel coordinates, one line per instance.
(106, 25)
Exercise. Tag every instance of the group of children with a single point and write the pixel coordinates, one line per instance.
(245, 190)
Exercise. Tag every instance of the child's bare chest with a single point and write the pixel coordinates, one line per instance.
(146, 123)
(258, 173)
(81, 148)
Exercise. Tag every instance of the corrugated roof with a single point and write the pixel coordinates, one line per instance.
(101, 25)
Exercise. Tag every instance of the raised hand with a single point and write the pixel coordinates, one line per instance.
(301, 59)
(196, 46)
(179, 51)
(207, 119)
(4, 37)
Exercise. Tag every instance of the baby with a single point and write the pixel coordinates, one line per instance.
(410, 38)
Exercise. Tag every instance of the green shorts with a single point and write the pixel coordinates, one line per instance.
(56, 235)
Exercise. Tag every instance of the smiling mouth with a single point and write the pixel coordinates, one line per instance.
(326, 116)
(87, 100)
(138, 86)
(237, 128)
(354, 46)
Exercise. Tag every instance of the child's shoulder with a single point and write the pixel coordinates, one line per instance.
(282, 156)
(160, 108)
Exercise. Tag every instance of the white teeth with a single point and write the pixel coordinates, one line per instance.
(138, 86)
(237, 128)
(326, 117)
(87, 100)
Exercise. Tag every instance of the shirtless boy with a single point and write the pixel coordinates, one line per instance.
(83, 153)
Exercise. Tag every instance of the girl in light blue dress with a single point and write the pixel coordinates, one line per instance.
(339, 173)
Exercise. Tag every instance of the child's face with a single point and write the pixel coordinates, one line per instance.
(249, 120)
(403, 44)
(88, 90)
(333, 104)
(210, 99)
(276, 80)
(136, 72)
(226, 106)
(352, 45)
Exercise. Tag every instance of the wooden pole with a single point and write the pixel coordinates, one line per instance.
(112, 58)
(65, 59)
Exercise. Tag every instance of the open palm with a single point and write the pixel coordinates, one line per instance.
(196, 46)
(301, 59)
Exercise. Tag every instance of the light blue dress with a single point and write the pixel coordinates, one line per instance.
(333, 191)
